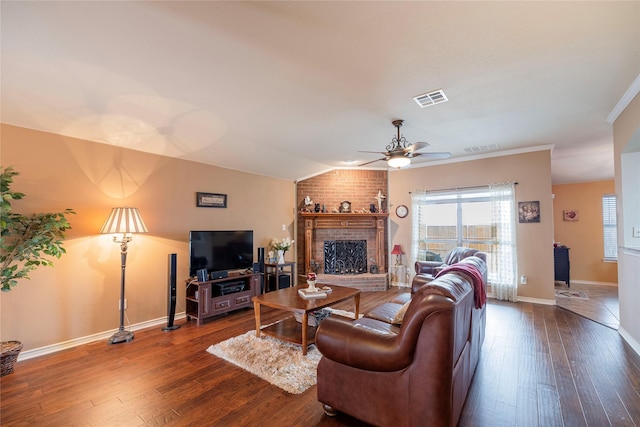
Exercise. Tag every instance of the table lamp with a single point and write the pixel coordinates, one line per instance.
(398, 252)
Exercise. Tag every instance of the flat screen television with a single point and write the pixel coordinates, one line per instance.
(220, 250)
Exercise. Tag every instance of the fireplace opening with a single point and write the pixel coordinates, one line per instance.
(345, 256)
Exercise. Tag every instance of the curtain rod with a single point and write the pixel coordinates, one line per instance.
(462, 188)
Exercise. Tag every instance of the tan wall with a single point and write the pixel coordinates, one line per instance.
(627, 124)
(532, 171)
(584, 237)
(79, 295)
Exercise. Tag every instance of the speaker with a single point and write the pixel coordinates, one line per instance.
(284, 281)
(261, 268)
(261, 259)
(219, 274)
(172, 294)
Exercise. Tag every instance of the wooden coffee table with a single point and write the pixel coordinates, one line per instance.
(287, 299)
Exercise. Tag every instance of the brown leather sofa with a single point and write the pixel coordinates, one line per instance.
(457, 254)
(413, 370)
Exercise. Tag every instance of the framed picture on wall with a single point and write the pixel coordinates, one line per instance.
(211, 200)
(570, 215)
(529, 212)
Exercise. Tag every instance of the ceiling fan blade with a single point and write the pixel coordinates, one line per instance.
(373, 161)
(375, 152)
(416, 146)
(432, 155)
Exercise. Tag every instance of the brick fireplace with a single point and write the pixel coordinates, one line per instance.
(329, 190)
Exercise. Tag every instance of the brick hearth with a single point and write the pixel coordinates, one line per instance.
(366, 282)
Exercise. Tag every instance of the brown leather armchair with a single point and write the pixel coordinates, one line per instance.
(410, 372)
(457, 254)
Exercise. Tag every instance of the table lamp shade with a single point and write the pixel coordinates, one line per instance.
(124, 220)
(397, 250)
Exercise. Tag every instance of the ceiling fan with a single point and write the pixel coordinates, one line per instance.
(399, 152)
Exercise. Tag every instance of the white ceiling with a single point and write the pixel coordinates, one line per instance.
(291, 89)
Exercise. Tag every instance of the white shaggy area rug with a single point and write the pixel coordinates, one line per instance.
(278, 362)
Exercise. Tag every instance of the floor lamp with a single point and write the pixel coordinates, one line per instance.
(125, 221)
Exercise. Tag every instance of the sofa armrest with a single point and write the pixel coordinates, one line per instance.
(359, 346)
(427, 267)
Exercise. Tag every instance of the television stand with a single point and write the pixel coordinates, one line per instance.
(218, 296)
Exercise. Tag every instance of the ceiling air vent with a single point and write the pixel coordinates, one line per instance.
(482, 148)
(431, 98)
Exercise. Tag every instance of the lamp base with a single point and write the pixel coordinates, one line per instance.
(121, 336)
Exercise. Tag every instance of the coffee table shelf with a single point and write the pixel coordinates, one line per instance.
(290, 330)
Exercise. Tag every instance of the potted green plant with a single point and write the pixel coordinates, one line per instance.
(26, 243)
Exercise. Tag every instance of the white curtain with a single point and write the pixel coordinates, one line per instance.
(503, 260)
(418, 198)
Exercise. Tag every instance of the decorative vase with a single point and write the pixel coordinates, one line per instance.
(312, 285)
(280, 256)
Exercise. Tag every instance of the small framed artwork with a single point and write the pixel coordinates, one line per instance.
(211, 200)
(529, 212)
(570, 215)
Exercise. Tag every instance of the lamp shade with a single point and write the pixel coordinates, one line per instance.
(397, 250)
(124, 220)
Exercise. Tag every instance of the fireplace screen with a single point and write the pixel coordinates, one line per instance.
(345, 256)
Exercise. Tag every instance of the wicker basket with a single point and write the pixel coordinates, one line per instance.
(9, 351)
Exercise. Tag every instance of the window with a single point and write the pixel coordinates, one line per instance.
(446, 220)
(481, 218)
(610, 227)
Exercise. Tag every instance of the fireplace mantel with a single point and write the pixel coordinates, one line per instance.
(340, 221)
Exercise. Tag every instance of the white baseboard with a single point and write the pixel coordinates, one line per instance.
(588, 282)
(41, 351)
(527, 299)
(536, 300)
(635, 345)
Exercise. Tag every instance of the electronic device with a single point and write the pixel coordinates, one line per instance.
(220, 251)
(283, 279)
(203, 275)
(219, 274)
(261, 268)
(219, 289)
(171, 305)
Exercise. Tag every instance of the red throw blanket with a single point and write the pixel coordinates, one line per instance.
(479, 293)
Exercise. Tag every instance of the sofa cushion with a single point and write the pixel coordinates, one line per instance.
(377, 326)
(384, 312)
(402, 298)
(397, 319)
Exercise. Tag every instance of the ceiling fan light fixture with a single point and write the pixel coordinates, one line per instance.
(399, 161)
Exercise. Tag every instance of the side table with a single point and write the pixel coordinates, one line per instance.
(399, 275)
(278, 276)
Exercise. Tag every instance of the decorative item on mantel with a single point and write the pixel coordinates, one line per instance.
(282, 246)
(308, 203)
(380, 197)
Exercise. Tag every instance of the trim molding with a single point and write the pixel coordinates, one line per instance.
(536, 300)
(628, 96)
(635, 345)
(588, 282)
(527, 299)
(53, 348)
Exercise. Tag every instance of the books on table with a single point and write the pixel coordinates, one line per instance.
(307, 293)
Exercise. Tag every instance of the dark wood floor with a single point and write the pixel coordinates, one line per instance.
(540, 366)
